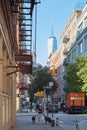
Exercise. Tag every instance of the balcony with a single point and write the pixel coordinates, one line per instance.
(65, 52)
(66, 38)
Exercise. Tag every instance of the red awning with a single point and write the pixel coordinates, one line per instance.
(22, 86)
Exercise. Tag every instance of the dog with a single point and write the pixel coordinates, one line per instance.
(33, 119)
(47, 119)
(57, 121)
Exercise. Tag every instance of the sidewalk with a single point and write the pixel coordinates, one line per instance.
(24, 122)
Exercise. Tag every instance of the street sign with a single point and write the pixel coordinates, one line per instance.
(40, 94)
(50, 83)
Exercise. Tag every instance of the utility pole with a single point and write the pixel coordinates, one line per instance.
(51, 86)
(53, 72)
(46, 97)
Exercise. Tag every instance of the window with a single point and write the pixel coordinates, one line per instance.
(73, 55)
(80, 48)
(85, 22)
(85, 40)
(80, 28)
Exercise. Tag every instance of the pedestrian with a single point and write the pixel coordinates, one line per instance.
(46, 119)
(52, 122)
(40, 111)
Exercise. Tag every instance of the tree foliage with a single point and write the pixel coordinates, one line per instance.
(76, 76)
(39, 79)
(82, 73)
(73, 81)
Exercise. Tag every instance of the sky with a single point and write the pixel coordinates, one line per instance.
(50, 13)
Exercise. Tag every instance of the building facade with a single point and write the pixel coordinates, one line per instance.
(73, 44)
(61, 57)
(80, 46)
(56, 61)
(15, 55)
(7, 82)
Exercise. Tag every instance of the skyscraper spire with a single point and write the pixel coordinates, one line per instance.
(52, 29)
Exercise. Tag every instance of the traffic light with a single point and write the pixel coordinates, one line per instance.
(53, 71)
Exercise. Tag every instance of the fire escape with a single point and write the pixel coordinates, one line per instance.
(24, 10)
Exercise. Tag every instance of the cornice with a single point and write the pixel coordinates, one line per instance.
(69, 22)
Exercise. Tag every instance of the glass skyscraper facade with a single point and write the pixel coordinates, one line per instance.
(52, 45)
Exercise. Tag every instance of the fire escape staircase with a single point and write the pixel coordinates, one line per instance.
(24, 10)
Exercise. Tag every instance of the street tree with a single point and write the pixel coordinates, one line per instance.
(73, 82)
(82, 73)
(39, 79)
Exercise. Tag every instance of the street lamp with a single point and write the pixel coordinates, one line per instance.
(44, 99)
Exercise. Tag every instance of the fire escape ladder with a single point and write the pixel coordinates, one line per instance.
(24, 10)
